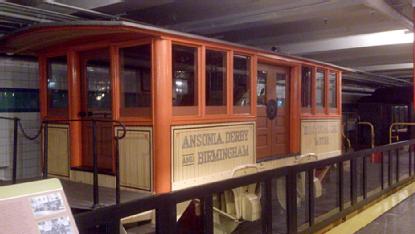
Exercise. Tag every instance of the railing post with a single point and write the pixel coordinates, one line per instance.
(15, 128)
(166, 218)
(382, 168)
(113, 227)
(397, 165)
(95, 165)
(410, 160)
(412, 151)
(117, 172)
(207, 203)
(353, 181)
(340, 184)
(266, 208)
(364, 179)
(45, 151)
(389, 168)
(291, 196)
(311, 196)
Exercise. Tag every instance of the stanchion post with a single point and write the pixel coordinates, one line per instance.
(45, 151)
(15, 127)
(95, 165)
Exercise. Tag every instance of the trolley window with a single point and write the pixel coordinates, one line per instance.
(333, 90)
(57, 85)
(261, 88)
(241, 83)
(320, 90)
(216, 82)
(185, 80)
(135, 74)
(306, 87)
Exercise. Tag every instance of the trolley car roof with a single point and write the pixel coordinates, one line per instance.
(41, 36)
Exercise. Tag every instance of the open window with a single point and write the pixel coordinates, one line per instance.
(333, 93)
(216, 82)
(241, 84)
(306, 88)
(185, 80)
(320, 90)
(135, 81)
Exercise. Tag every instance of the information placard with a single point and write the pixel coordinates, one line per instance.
(36, 207)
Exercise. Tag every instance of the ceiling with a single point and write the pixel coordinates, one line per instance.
(373, 37)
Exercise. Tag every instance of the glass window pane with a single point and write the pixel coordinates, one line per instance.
(215, 78)
(184, 76)
(135, 74)
(241, 80)
(19, 100)
(306, 87)
(320, 89)
(261, 88)
(333, 90)
(97, 74)
(280, 90)
(57, 83)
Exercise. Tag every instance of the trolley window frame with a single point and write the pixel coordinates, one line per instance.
(117, 60)
(217, 110)
(45, 110)
(326, 111)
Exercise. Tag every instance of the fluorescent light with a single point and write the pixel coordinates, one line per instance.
(394, 37)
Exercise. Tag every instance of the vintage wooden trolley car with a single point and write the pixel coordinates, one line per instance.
(194, 108)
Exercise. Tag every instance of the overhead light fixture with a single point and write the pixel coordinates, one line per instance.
(401, 36)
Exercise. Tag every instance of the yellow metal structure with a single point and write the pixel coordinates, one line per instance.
(372, 132)
(393, 125)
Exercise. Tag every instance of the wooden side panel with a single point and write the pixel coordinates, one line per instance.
(58, 150)
(321, 136)
(136, 158)
(205, 153)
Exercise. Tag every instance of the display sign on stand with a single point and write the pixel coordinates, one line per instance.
(36, 207)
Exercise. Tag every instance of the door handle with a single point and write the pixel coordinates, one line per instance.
(271, 109)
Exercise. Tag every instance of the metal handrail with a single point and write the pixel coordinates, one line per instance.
(372, 132)
(349, 143)
(17, 124)
(393, 125)
(165, 204)
(94, 154)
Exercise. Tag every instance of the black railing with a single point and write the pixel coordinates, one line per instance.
(17, 124)
(95, 182)
(14, 156)
(108, 218)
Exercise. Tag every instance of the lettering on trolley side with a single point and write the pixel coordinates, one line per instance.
(321, 132)
(213, 147)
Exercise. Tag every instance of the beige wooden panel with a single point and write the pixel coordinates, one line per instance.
(135, 158)
(58, 150)
(320, 136)
(201, 151)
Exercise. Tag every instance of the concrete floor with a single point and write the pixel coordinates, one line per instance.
(399, 219)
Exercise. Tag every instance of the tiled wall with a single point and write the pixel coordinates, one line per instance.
(22, 73)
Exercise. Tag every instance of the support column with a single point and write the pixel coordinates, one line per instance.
(413, 53)
(74, 99)
(162, 113)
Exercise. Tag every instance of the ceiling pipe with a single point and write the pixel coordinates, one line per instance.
(32, 14)
(86, 11)
(385, 8)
